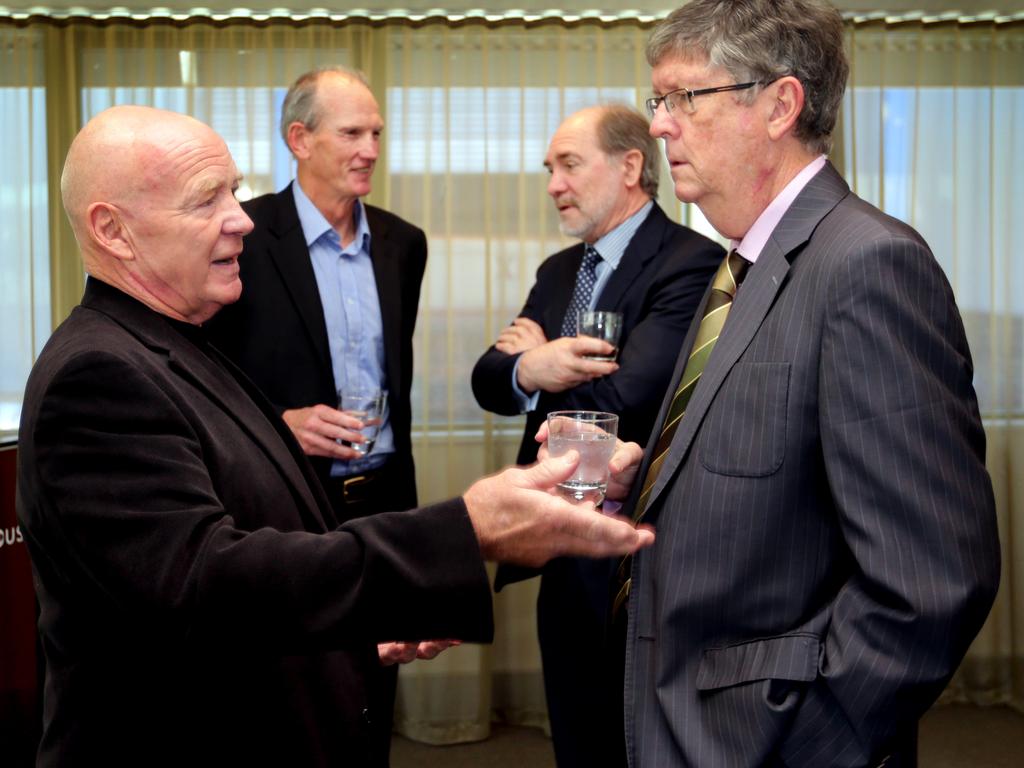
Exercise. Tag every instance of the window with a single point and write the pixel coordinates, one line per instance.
(24, 242)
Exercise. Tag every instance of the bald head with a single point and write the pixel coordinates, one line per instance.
(150, 196)
(117, 155)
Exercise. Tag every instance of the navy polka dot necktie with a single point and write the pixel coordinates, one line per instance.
(583, 291)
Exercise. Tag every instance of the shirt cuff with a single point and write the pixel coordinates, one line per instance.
(526, 402)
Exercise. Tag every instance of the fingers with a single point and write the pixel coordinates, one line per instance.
(522, 335)
(622, 470)
(429, 649)
(316, 445)
(403, 652)
(542, 438)
(626, 456)
(528, 325)
(594, 535)
(319, 427)
(396, 653)
(530, 330)
(519, 520)
(547, 473)
(343, 419)
(589, 345)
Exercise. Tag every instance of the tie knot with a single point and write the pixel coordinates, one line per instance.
(590, 258)
(730, 273)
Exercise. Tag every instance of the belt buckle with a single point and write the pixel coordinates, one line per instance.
(352, 487)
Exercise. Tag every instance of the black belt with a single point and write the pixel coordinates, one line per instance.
(357, 489)
(366, 493)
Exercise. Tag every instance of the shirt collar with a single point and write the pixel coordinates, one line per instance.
(315, 225)
(612, 245)
(753, 242)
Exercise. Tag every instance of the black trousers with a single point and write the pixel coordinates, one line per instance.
(387, 489)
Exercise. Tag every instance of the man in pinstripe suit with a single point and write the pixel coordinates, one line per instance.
(827, 546)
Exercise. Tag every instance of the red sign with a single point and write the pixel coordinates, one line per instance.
(19, 670)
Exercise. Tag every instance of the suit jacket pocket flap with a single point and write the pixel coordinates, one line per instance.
(787, 657)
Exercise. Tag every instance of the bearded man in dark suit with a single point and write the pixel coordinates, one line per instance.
(200, 601)
(604, 168)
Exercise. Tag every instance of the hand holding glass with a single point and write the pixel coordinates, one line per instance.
(603, 325)
(367, 405)
(592, 434)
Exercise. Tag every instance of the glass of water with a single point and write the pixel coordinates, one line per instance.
(367, 405)
(603, 325)
(593, 435)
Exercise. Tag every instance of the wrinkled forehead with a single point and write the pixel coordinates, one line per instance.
(178, 161)
(576, 136)
(678, 71)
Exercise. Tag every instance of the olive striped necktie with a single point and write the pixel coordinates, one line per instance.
(723, 291)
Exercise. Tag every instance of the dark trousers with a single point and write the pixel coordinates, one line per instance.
(583, 660)
(387, 489)
(390, 488)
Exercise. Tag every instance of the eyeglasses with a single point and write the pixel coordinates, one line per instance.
(682, 98)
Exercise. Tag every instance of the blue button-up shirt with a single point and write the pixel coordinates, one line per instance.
(355, 332)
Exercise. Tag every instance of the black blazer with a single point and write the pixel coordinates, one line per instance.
(198, 605)
(276, 332)
(657, 286)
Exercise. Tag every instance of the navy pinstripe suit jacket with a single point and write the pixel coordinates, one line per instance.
(827, 546)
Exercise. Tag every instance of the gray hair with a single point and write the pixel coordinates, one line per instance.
(762, 40)
(300, 103)
(621, 129)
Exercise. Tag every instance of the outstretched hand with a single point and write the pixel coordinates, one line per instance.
(519, 520)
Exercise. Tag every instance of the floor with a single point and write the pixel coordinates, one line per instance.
(951, 737)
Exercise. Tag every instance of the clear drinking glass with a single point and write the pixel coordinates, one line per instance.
(603, 325)
(367, 405)
(592, 434)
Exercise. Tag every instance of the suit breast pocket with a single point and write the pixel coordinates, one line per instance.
(744, 433)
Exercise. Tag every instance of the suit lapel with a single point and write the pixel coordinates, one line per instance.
(290, 255)
(643, 247)
(244, 405)
(241, 401)
(760, 288)
(387, 270)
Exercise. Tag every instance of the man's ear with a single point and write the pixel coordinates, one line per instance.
(633, 166)
(787, 104)
(298, 140)
(107, 229)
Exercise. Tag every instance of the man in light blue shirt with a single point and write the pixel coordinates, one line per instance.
(330, 295)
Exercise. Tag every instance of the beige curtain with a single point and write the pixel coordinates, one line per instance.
(932, 131)
(934, 135)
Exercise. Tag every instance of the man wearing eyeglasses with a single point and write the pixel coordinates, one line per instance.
(604, 169)
(827, 546)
